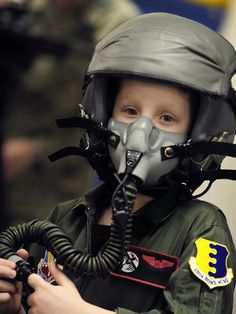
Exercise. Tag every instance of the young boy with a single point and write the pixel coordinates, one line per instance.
(158, 80)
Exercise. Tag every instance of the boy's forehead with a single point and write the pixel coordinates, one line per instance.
(134, 84)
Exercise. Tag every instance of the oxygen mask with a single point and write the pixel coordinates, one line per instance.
(139, 149)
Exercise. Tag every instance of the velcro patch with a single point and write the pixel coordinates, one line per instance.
(146, 267)
(43, 266)
(210, 263)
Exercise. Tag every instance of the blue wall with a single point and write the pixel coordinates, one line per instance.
(209, 16)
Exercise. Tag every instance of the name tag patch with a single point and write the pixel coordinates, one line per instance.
(210, 263)
(146, 267)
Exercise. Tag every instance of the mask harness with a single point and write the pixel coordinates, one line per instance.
(54, 239)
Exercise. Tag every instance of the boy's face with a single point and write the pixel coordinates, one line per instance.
(168, 107)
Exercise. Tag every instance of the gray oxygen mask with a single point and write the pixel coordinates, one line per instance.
(139, 149)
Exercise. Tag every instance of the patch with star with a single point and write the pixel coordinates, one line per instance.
(146, 267)
(210, 263)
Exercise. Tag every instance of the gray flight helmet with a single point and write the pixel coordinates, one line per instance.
(171, 49)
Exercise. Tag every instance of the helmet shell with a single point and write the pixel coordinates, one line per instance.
(171, 49)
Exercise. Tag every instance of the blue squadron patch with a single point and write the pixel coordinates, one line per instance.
(43, 266)
(210, 264)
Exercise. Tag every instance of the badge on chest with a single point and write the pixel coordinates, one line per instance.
(146, 267)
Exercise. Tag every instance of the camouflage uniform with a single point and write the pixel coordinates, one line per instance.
(48, 90)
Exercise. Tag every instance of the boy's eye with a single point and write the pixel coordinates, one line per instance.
(131, 111)
(167, 118)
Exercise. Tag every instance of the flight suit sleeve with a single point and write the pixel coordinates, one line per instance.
(188, 290)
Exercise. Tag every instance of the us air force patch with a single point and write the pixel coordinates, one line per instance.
(43, 266)
(210, 264)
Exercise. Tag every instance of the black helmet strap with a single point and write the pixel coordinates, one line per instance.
(232, 99)
(191, 149)
(205, 147)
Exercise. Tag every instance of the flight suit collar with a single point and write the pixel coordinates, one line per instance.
(155, 212)
(146, 218)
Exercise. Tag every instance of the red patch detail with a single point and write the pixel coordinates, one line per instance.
(45, 270)
(156, 263)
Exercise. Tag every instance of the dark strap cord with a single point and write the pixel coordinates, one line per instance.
(79, 122)
(192, 149)
(71, 150)
(210, 175)
(232, 99)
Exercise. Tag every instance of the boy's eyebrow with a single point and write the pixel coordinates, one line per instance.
(124, 97)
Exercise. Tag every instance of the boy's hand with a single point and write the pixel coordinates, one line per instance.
(10, 290)
(47, 298)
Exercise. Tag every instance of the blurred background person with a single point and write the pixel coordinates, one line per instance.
(50, 88)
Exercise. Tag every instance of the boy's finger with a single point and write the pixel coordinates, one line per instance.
(60, 278)
(7, 272)
(8, 287)
(35, 281)
(23, 253)
(5, 297)
(7, 263)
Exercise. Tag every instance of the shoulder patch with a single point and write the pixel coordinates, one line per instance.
(43, 266)
(210, 263)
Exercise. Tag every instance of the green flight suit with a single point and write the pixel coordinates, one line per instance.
(164, 225)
